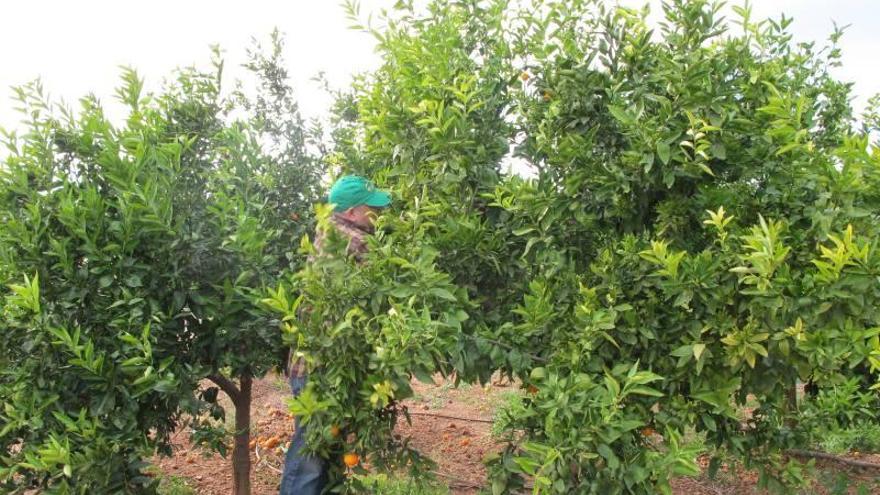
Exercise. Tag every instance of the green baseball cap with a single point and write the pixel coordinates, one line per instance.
(353, 190)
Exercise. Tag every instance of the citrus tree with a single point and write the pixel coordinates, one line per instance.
(701, 185)
(366, 329)
(131, 257)
(698, 228)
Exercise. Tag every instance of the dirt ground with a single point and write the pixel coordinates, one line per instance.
(450, 425)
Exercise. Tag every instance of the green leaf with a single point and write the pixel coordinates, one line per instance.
(423, 375)
(709, 422)
(606, 452)
(523, 231)
(538, 373)
(663, 151)
(644, 390)
(620, 114)
(442, 293)
(612, 385)
(133, 281)
(683, 351)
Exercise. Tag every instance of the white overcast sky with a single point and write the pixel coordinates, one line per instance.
(75, 47)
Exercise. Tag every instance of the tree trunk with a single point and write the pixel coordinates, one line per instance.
(241, 456)
(791, 405)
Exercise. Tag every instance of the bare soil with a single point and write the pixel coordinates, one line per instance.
(450, 425)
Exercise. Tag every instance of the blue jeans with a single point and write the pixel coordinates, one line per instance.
(303, 474)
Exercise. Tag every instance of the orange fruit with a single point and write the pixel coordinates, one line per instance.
(533, 389)
(252, 444)
(335, 431)
(524, 76)
(351, 459)
(648, 431)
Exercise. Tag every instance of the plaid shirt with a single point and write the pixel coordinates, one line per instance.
(357, 244)
(357, 247)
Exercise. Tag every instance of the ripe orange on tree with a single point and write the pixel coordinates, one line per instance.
(351, 459)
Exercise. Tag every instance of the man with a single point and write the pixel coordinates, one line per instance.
(356, 203)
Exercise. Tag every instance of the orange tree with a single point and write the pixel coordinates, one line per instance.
(699, 227)
(366, 330)
(130, 258)
(709, 198)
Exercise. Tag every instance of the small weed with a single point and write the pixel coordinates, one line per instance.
(506, 397)
(464, 386)
(510, 405)
(436, 397)
(437, 402)
(386, 485)
(175, 485)
(281, 384)
(843, 418)
(861, 437)
(694, 439)
(837, 483)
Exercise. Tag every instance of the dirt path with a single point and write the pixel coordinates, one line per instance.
(441, 429)
(211, 474)
(457, 446)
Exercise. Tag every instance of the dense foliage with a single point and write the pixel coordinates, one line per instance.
(699, 228)
(693, 226)
(133, 255)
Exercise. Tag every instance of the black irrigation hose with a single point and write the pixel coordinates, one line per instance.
(458, 482)
(831, 457)
(446, 416)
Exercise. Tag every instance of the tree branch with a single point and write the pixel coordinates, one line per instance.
(227, 386)
(506, 346)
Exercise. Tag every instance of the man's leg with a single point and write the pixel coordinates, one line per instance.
(303, 474)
